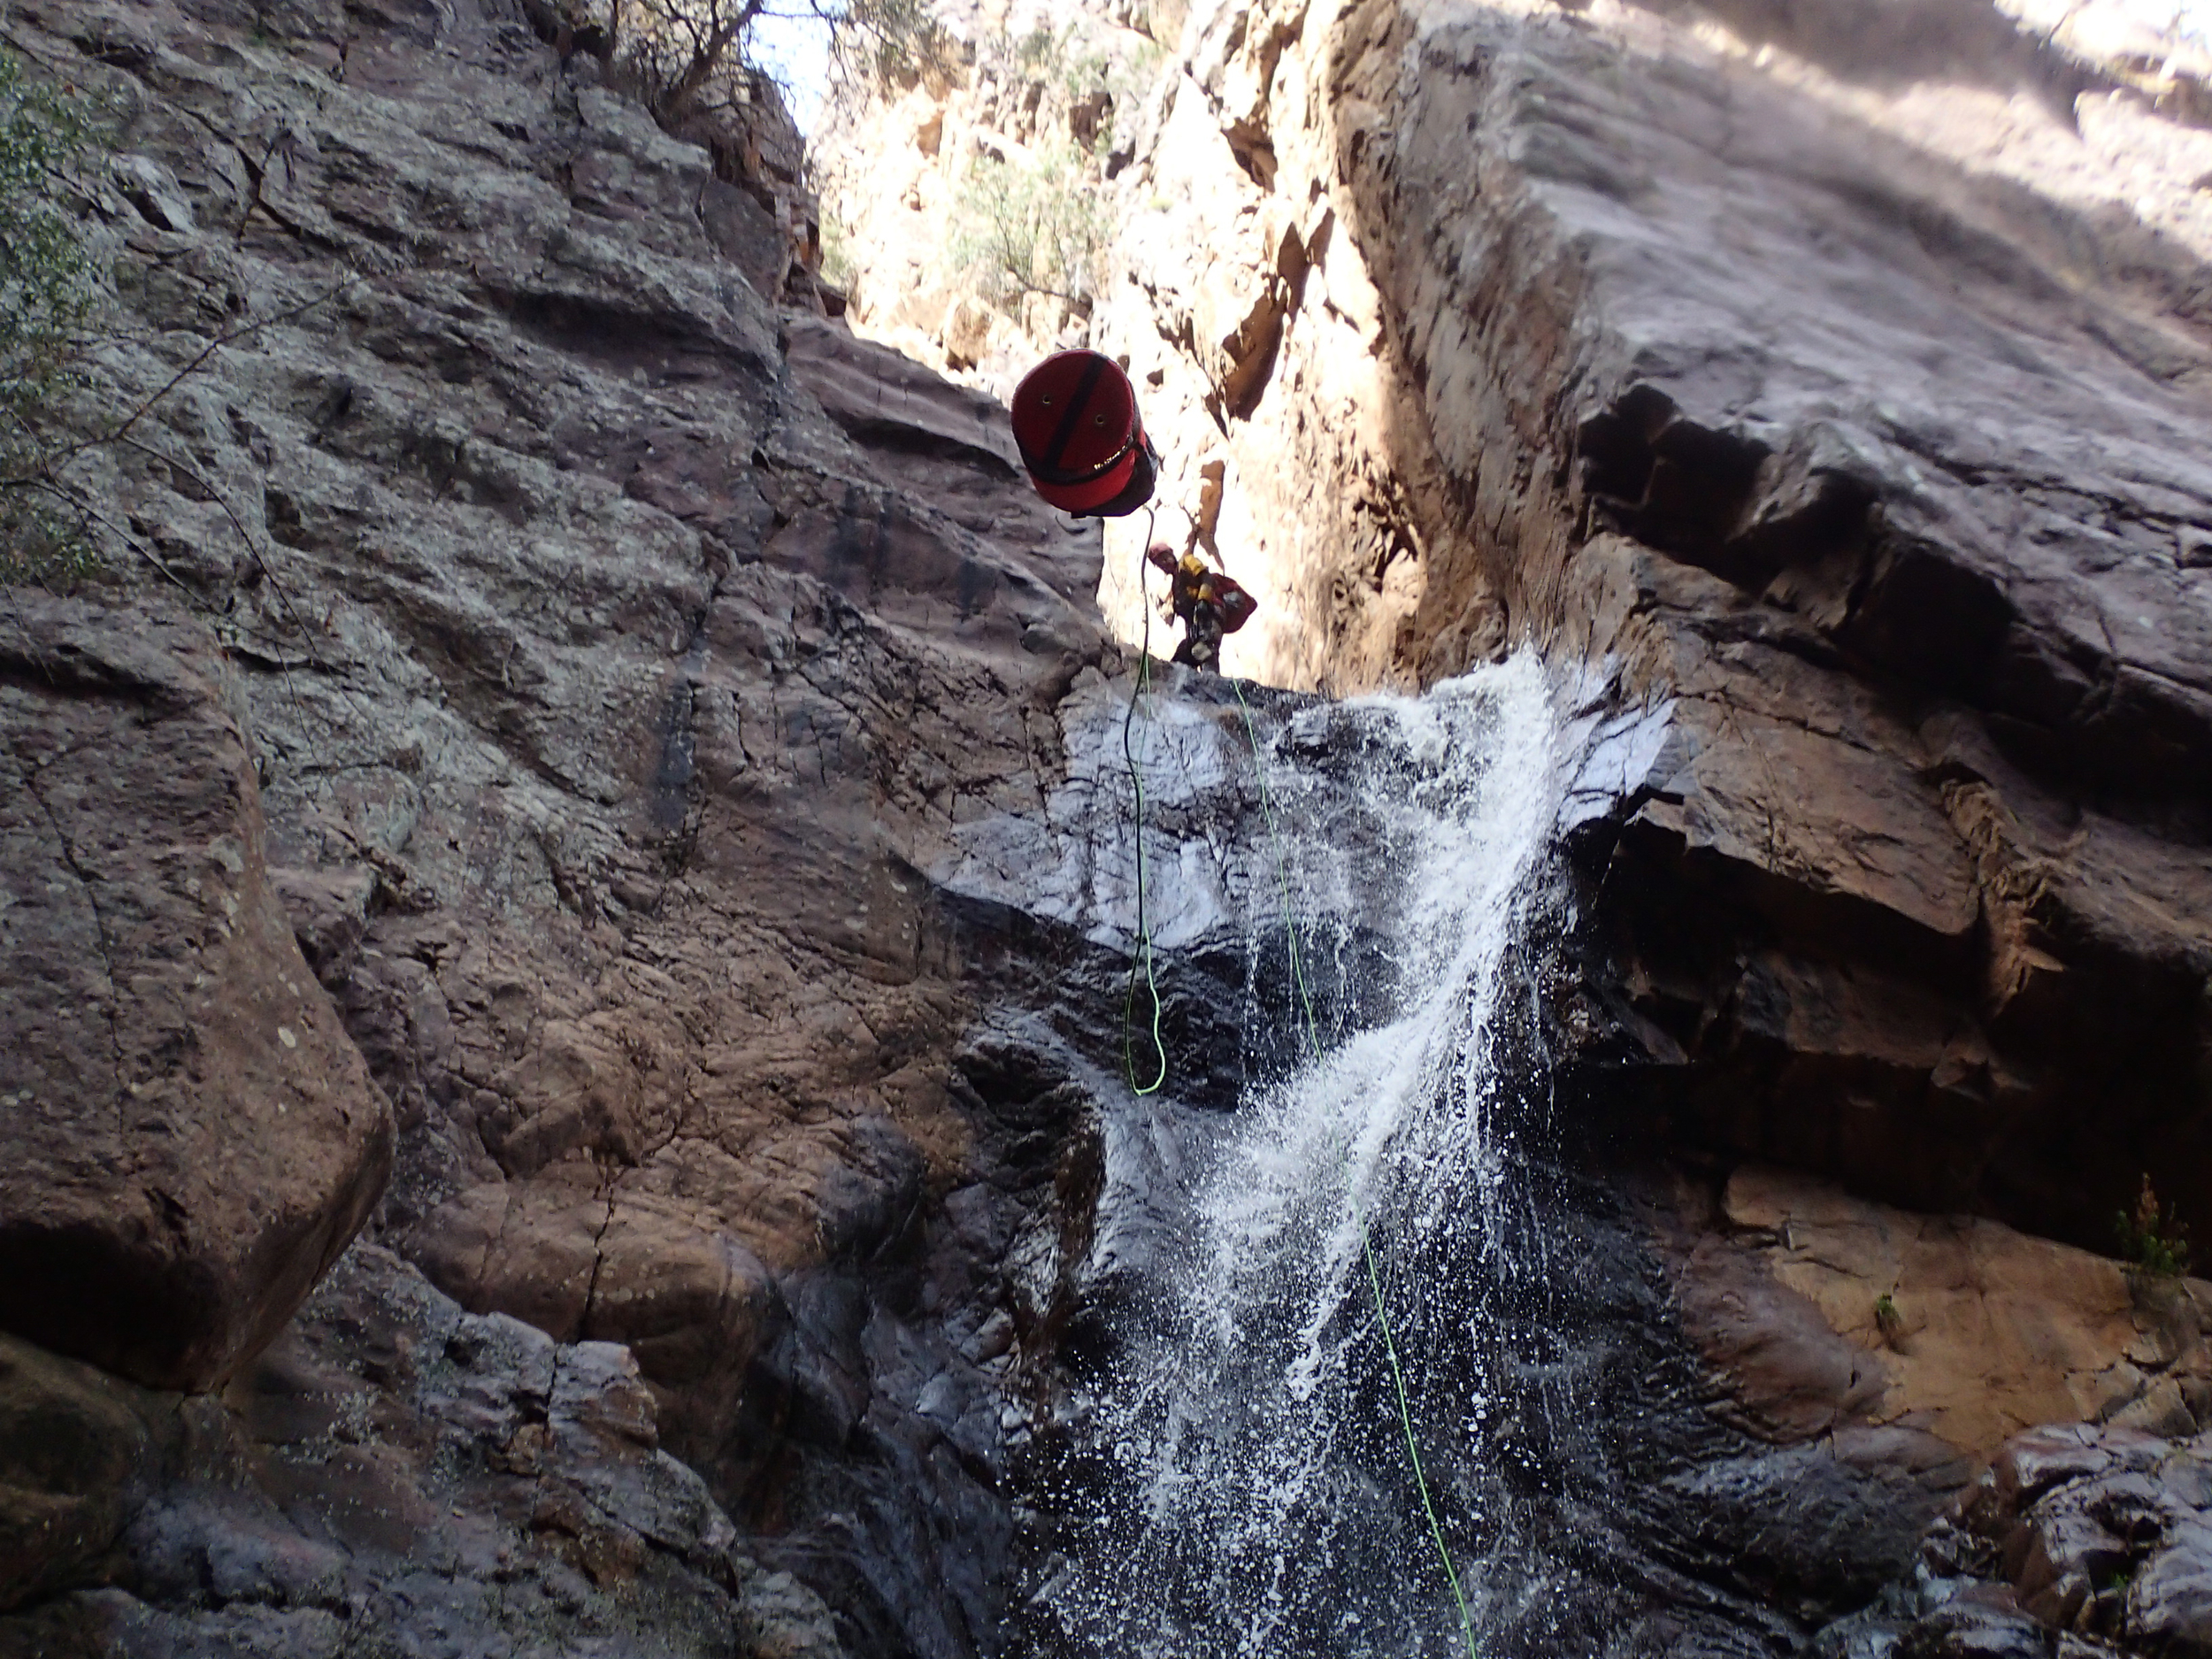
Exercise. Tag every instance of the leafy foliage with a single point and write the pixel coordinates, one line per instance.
(1887, 1319)
(1032, 224)
(895, 41)
(686, 57)
(49, 286)
(48, 282)
(681, 55)
(2151, 1238)
(1037, 219)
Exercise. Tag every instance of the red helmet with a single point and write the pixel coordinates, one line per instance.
(1075, 424)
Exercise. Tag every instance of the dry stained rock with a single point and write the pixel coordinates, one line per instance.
(608, 699)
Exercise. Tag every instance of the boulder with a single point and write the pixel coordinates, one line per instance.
(192, 1137)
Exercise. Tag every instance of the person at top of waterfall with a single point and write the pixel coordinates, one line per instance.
(1210, 604)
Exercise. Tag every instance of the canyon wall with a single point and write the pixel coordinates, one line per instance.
(1834, 378)
(533, 782)
(481, 793)
(1838, 379)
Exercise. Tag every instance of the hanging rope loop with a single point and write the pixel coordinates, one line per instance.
(1140, 964)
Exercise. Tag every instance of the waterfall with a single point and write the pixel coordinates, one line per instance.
(1250, 1489)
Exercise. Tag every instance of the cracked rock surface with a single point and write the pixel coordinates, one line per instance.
(602, 699)
(1841, 377)
(625, 690)
(2078, 1541)
(396, 1475)
(191, 1136)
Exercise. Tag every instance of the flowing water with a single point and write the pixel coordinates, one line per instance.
(1258, 1494)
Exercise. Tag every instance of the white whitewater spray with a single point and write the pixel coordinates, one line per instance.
(1262, 1499)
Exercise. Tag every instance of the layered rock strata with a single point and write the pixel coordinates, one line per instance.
(1819, 1308)
(1838, 377)
(481, 579)
(619, 668)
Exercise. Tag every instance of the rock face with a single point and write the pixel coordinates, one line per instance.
(76, 1460)
(2077, 1541)
(1838, 379)
(1955, 1326)
(686, 759)
(1866, 431)
(393, 1467)
(602, 698)
(970, 194)
(192, 1138)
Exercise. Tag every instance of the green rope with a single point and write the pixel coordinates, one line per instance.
(1359, 1215)
(1141, 963)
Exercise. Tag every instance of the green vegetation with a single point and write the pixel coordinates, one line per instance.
(54, 288)
(1887, 1320)
(1035, 219)
(898, 41)
(2151, 1239)
(837, 255)
(1036, 52)
(50, 284)
(686, 58)
(1033, 225)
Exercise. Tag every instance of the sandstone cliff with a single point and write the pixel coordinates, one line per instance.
(1835, 377)
(1838, 377)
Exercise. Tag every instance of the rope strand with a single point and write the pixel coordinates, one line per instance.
(1140, 964)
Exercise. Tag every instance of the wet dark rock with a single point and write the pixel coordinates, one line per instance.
(1915, 897)
(692, 769)
(1974, 1628)
(2169, 1604)
(602, 699)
